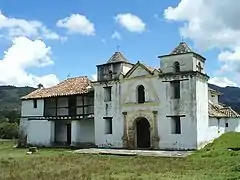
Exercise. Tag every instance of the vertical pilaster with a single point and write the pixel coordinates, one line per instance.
(125, 137)
(155, 137)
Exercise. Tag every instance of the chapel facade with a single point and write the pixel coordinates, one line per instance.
(131, 106)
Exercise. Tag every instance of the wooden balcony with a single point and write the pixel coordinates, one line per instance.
(71, 108)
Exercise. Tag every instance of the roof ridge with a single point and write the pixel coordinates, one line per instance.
(182, 48)
(117, 57)
(70, 86)
(151, 68)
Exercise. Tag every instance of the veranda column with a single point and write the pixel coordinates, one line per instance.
(74, 132)
(125, 131)
(155, 136)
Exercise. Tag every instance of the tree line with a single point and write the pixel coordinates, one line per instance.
(9, 123)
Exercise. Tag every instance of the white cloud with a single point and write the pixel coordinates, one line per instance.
(230, 60)
(222, 81)
(93, 77)
(131, 22)
(15, 27)
(230, 55)
(211, 24)
(22, 55)
(216, 27)
(77, 23)
(116, 35)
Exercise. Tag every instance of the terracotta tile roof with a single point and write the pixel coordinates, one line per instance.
(71, 86)
(182, 48)
(220, 111)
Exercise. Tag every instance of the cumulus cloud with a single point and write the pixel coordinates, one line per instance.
(116, 35)
(211, 24)
(131, 22)
(22, 55)
(15, 27)
(77, 23)
(93, 77)
(222, 81)
(216, 27)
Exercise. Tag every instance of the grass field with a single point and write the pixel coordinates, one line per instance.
(214, 162)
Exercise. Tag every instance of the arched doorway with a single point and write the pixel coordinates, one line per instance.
(143, 133)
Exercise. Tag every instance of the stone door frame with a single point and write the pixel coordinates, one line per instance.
(135, 134)
(129, 136)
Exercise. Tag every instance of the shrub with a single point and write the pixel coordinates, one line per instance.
(8, 130)
(22, 139)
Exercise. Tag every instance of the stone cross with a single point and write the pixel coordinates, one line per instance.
(182, 38)
(118, 48)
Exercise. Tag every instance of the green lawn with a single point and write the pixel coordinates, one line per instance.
(213, 162)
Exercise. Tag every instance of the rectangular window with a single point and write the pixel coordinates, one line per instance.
(226, 124)
(175, 85)
(108, 125)
(107, 94)
(176, 125)
(35, 103)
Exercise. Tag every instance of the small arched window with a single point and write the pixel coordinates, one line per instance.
(199, 67)
(176, 66)
(141, 94)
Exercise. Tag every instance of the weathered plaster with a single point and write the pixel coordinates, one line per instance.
(131, 119)
(159, 108)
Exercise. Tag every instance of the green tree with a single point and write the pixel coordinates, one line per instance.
(8, 130)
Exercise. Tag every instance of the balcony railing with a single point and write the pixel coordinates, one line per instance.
(78, 112)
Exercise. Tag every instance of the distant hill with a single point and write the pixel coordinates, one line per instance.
(230, 96)
(10, 97)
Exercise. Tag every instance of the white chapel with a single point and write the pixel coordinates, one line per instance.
(131, 106)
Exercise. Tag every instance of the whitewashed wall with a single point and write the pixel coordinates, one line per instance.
(103, 109)
(86, 131)
(29, 110)
(83, 131)
(75, 125)
(125, 68)
(158, 99)
(187, 63)
(233, 124)
(218, 126)
(187, 106)
(213, 97)
(201, 110)
(40, 132)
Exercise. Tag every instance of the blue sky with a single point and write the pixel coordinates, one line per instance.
(78, 54)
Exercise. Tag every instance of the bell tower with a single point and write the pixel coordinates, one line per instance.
(181, 59)
(111, 70)
(107, 99)
(185, 81)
